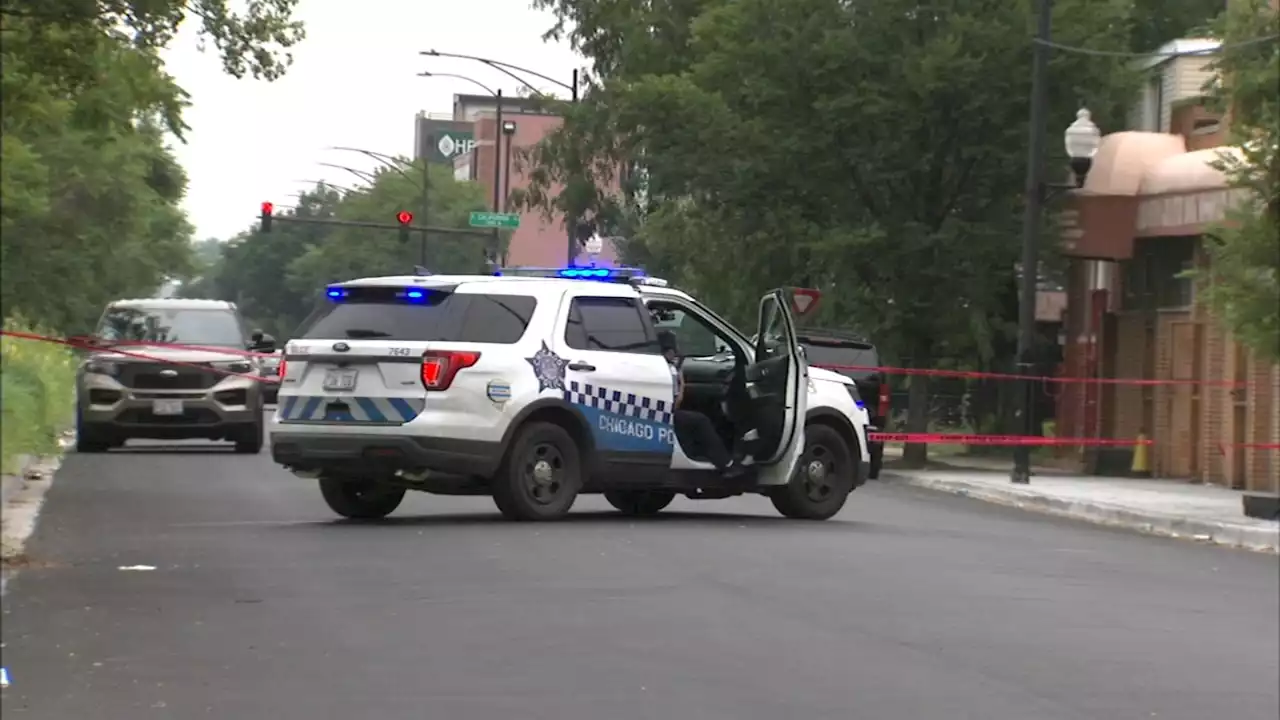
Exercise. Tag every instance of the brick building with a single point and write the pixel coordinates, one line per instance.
(539, 241)
(1137, 225)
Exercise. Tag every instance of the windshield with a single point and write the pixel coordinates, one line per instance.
(217, 327)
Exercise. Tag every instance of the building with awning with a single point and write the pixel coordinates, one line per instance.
(1141, 221)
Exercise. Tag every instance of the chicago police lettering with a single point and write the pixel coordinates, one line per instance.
(624, 421)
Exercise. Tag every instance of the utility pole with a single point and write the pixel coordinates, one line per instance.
(426, 176)
(1034, 197)
(571, 223)
(497, 168)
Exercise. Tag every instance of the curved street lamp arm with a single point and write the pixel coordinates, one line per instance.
(498, 64)
(329, 184)
(367, 177)
(387, 161)
(473, 81)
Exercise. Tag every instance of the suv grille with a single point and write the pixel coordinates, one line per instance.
(156, 377)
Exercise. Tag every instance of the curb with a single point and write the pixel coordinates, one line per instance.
(22, 498)
(1237, 535)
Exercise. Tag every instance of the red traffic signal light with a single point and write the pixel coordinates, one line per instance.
(267, 208)
(404, 217)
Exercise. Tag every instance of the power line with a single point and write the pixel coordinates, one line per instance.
(1136, 55)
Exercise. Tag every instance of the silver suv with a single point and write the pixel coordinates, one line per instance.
(187, 386)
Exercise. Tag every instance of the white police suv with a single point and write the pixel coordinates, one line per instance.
(536, 385)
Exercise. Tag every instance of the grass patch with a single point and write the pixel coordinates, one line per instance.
(37, 395)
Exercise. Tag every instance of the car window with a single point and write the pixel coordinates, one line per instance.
(773, 340)
(694, 336)
(497, 319)
(841, 354)
(217, 327)
(609, 323)
(443, 316)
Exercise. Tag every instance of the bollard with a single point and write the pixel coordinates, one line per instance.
(1141, 467)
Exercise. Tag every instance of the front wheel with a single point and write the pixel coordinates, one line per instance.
(249, 438)
(827, 474)
(541, 475)
(360, 500)
(640, 502)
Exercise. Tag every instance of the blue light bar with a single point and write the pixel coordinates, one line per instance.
(602, 274)
(336, 293)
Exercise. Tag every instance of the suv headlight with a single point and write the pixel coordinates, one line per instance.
(102, 367)
(240, 367)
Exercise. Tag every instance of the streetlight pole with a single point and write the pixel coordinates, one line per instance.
(1033, 194)
(1082, 139)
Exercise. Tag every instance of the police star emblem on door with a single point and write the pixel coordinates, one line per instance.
(549, 368)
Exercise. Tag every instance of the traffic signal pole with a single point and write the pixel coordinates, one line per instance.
(268, 219)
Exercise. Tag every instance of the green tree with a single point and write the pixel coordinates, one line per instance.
(875, 150)
(91, 191)
(275, 277)
(348, 252)
(1242, 283)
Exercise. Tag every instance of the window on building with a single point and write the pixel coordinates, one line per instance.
(1156, 277)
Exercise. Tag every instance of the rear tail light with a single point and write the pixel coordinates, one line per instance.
(280, 370)
(884, 400)
(439, 367)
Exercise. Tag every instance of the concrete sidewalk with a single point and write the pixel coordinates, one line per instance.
(1160, 507)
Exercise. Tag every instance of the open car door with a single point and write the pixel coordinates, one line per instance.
(777, 382)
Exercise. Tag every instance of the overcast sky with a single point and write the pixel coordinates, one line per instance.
(353, 82)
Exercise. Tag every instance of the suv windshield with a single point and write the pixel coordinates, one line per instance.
(216, 327)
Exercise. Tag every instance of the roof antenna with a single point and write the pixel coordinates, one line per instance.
(420, 271)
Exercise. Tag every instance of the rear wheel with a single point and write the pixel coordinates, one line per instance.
(541, 475)
(360, 499)
(827, 474)
(640, 502)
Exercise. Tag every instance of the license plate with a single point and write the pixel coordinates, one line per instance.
(340, 380)
(166, 407)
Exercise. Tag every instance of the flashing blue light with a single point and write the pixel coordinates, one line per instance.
(622, 274)
(336, 293)
(414, 294)
(861, 405)
(585, 273)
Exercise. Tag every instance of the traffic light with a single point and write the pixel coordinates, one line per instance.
(405, 218)
(267, 209)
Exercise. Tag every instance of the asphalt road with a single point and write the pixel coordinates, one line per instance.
(909, 606)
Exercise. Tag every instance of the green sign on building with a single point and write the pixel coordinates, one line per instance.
(495, 220)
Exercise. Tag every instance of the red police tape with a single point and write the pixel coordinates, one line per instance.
(1007, 440)
(979, 375)
(114, 348)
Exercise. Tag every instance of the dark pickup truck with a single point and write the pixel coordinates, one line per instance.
(856, 358)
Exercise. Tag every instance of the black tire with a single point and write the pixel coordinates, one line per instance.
(541, 475)
(827, 474)
(249, 438)
(877, 460)
(361, 500)
(90, 439)
(640, 502)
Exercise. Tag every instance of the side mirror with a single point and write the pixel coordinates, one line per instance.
(262, 342)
